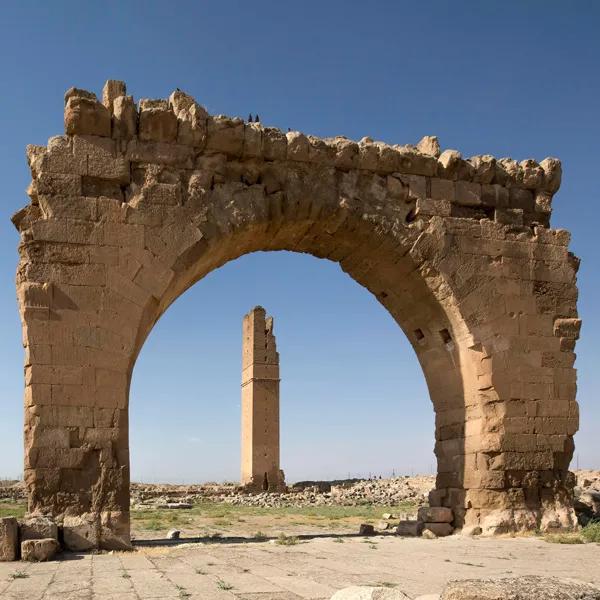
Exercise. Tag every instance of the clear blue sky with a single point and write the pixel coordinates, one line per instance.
(510, 78)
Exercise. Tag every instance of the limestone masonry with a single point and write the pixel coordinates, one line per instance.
(260, 404)
(136, 203)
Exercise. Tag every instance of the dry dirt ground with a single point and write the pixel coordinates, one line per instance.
(307, 570)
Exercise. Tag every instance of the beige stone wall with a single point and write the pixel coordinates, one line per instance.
(260, 468)
(135, 203)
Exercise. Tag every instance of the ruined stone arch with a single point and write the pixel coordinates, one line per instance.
(135, 204)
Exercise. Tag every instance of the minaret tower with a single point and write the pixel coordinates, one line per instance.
(260, 404)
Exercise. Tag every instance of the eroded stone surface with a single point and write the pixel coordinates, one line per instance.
(134, 205)
(516, 588)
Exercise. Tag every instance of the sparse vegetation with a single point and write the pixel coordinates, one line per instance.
(19, 575)
(285, 540)
(564, 538)
(591, 532)
(223, 585)
(259, 535)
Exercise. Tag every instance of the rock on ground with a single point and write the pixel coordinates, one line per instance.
(39, 550)
(520, 588)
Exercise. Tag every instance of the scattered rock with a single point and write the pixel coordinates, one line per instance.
(9, 538)
(39, 550)
(520, 588)
(173, 534)
(383, 525)
(428, 534)
(369, 593)
(366, 529)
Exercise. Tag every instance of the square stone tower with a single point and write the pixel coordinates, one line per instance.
(260, 404)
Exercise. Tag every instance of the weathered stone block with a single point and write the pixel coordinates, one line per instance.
(36, 527)
(297, 146)
(125, 118)
(567, 328)
(552, 174)
(9, 539)
(225, 135)
(81, 533)
(111, 91)
(443, 189)
(409, 528)
(509, 216)
(86, 116)
(157, 122)
(468, 193)
(366, 529)
(435, 514)
(39, 550)
(274, 144)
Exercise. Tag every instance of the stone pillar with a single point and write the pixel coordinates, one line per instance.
(260, 404)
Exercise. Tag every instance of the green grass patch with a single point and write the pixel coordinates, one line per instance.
(226, 515)
(12, 509)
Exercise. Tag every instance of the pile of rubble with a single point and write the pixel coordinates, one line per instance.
(12, 490)
(353, 492)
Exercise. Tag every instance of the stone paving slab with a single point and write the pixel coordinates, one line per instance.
(308, 571)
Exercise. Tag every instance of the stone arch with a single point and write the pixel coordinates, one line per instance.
(136, 204)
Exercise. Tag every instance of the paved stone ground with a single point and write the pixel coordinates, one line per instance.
(311, 570)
